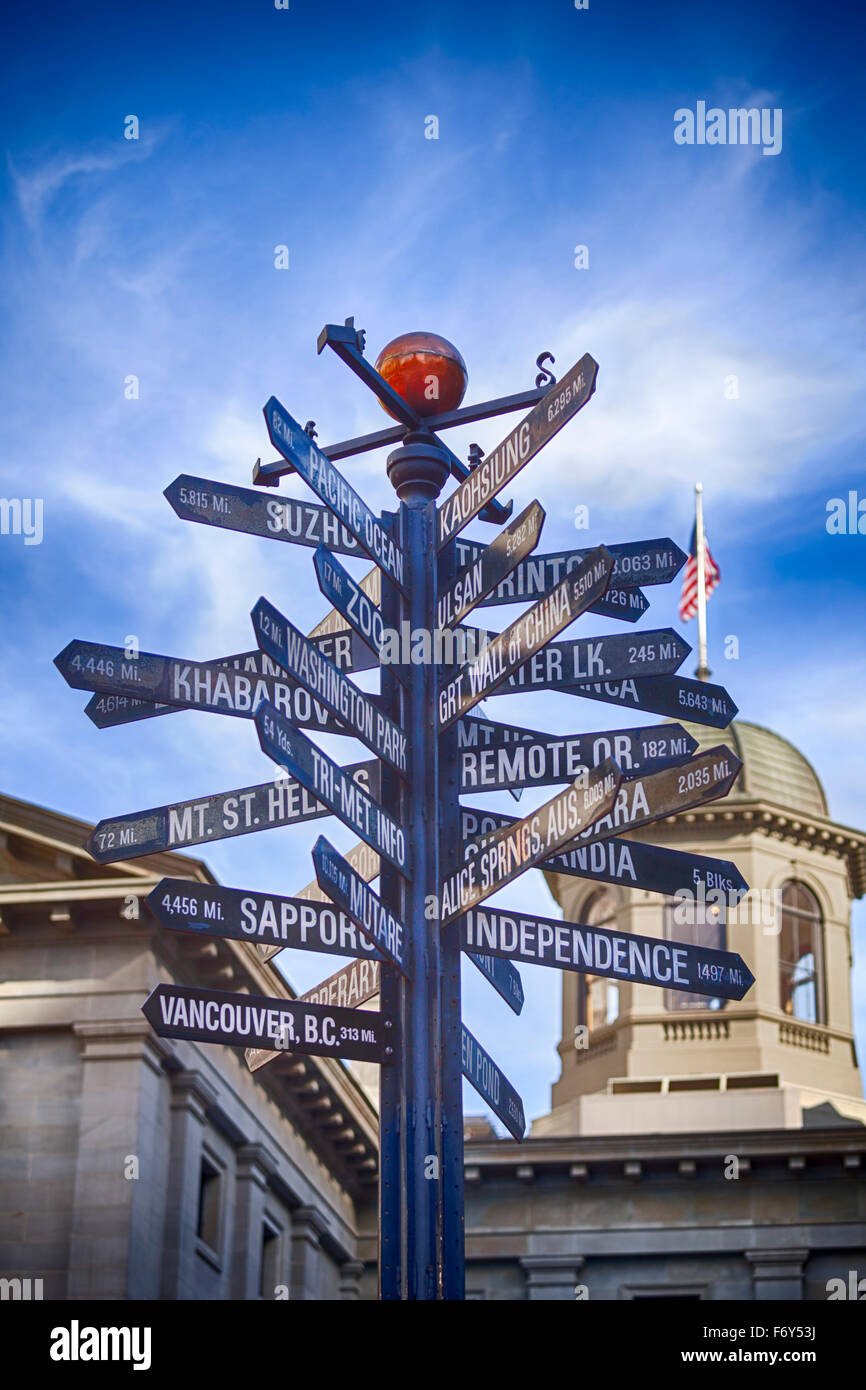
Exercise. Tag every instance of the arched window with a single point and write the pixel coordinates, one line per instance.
(697, 923)
(801, 954)
(598, 997)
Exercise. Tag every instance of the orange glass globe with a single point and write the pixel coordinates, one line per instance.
(426, 370)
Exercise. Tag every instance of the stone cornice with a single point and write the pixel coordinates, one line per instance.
(735, 815)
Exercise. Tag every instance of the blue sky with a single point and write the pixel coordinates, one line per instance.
(261, 127)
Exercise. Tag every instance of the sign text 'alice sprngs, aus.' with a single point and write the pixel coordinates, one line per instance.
(518, 846)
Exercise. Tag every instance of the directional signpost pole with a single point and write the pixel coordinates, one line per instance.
(437, 861)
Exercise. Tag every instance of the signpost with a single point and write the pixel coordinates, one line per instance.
(251, 1020)
(598, 951)
(630, 863)
(490, 566)
(489, 762)
(357, 899)
(636, 562)
(342, 795)
(188, 684)
(355, 711)
(346, 650)
(263, 918)
(518, 846)
(244, 509)
(567, 665)
(356, 984)
(436, 861)
(677, 697)
(218, 817)
(499, 468)
(491, 1084)
(527, 635)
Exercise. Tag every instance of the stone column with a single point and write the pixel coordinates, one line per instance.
(119, 1175)
(778, 1274)
(551, 1276)
(253, 1166)
(307, 1228)
(191, 1096)
(351, 1274)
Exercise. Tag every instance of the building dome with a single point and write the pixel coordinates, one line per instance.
(773, 769)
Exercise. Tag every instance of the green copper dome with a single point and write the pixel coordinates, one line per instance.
(773, 769)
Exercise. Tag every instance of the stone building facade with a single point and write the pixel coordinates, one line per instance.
(692, 1150)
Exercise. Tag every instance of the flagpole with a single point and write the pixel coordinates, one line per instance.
(702, 671)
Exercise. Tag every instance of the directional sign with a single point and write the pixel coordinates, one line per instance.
(630, 863)
(616, 955)
(317, 470)
(349, 891)
(254, 1020)
(517, 847)
(490, 566)
(290, 748)
(218, 817)
(642, 800)
(188, 684)
(356, 711)
(348, 598)
(674, 696)
(491, 1084)
(635, 562)
(363, 859)
(496, 757)
(527, 635)
(346, 649)
(545, 420)
(356, 984)
(625, 604)
(262, 918)
(244, 509)
(506, 982)
(615, 657)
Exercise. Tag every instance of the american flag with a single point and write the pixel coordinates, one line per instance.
(689, 595)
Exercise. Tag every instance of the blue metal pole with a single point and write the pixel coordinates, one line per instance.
(418, 471)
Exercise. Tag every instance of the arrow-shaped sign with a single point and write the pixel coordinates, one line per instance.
(288, 747)
(354, 709)
(506, 982)
(534, 431)
(490, 566)
(492, 1084)
(356, 984)
(261, 918)
(629, 863)
(244, 509)
(519, 846)
(363, 859)
(254, 1020)
(187, 684)
(527, 635)
(328, 482)
(643, 800)
(496, 757)
(635, 562)
(346, 650)
(677, 697)
(616, 955)
(350, 893)
(219, 817)
(618, 656)
(348, 598)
